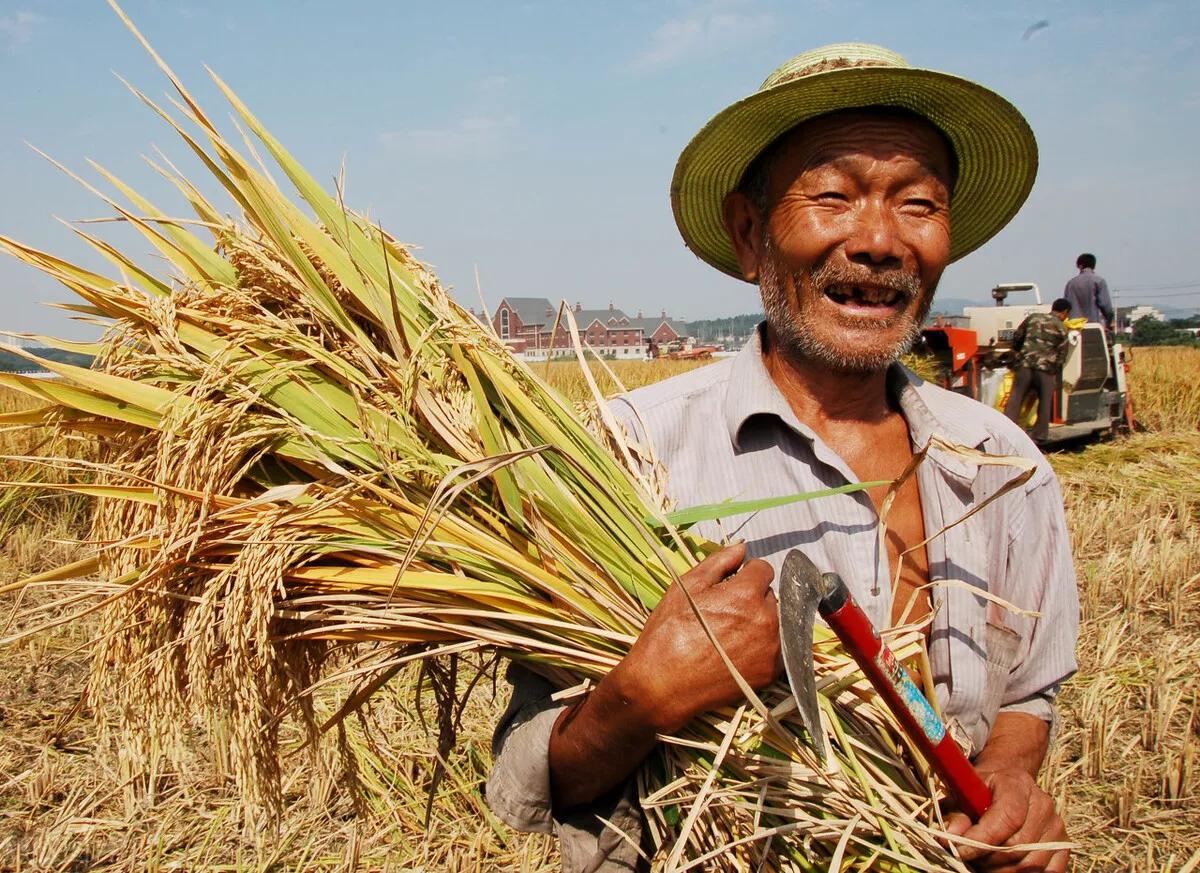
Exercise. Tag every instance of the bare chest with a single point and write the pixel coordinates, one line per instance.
(886, 457)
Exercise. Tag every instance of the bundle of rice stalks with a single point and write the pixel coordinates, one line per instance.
(313, 460)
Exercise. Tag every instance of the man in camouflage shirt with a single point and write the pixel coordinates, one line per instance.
(1040, 343)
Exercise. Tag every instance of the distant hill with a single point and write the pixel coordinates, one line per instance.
(954, 305)
(1170, 312)
(10, 363)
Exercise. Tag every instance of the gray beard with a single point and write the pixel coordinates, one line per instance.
(795, 334)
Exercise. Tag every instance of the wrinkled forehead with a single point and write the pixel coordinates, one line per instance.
(882, 133)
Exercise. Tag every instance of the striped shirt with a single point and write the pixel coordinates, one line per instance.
(726, 432)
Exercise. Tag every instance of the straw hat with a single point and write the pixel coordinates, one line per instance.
(996, 150)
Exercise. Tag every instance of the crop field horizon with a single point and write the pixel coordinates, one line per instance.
(1125, 766)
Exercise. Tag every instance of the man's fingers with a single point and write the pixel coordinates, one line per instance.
(714, 568)
(1001, 861)
(996, 826)
(1058, 864)
(1041, 825)
(1004, 862)
(1034, 862)
(1018, 816)
(1005, 817)
(755, 574)
(1050, 861)
(957, 823)
(982, 832)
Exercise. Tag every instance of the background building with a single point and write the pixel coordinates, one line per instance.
(527, 325)
(1127, 316)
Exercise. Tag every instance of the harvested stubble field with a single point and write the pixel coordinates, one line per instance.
(1125, 766)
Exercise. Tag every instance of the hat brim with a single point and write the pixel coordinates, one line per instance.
(996, 150)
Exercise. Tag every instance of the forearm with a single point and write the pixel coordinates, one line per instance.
(671, 674)
(1018, 741)
(598, 743)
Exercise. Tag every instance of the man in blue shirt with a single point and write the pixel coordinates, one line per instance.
(1088, 293)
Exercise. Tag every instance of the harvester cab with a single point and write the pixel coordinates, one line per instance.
(972, 354)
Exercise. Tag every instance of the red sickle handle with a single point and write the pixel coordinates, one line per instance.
(903, 697)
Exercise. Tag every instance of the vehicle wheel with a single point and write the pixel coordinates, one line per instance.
(1121, 428)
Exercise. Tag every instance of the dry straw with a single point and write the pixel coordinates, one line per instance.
(315, 462)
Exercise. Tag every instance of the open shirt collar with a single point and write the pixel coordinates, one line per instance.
(752, 392)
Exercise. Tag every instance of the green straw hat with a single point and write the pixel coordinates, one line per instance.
(995, 148)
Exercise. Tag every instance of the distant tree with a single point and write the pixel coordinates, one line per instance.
(11, 363)
(1149, 331)
(715, 329)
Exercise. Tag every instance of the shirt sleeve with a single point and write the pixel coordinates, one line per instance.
(1039, 559)
(1064, 346)
(603, 835)
(1103, 300)
(1018, 338)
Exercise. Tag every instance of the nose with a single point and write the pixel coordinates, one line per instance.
(874, 239)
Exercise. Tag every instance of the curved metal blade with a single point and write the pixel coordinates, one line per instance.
(800, 588)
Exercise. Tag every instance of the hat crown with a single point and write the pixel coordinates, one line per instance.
(838, 56)
(995, 148)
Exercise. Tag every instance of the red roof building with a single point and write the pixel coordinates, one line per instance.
(533, 328)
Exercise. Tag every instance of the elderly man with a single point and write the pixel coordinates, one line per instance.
(832, 188)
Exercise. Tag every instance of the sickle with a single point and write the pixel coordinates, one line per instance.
(800, 590)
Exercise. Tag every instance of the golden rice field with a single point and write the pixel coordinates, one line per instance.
(1125, 768)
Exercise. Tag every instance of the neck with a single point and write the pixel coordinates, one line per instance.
(820, 396)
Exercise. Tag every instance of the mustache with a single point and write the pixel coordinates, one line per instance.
(833, 274)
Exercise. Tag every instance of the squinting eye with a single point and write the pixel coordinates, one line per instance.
(831, 195)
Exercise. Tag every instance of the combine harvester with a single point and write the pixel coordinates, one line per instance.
(973, 356)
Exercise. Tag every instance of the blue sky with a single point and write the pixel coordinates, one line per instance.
(536, 140)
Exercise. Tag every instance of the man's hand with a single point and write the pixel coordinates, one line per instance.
(671, 674)
(674, 664)
(1021, 812)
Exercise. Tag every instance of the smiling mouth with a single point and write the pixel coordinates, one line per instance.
(871, 296)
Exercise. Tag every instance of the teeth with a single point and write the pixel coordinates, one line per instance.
(870, 296)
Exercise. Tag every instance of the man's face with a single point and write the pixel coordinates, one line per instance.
(856, 238)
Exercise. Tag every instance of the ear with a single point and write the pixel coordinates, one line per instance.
(744, 223)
